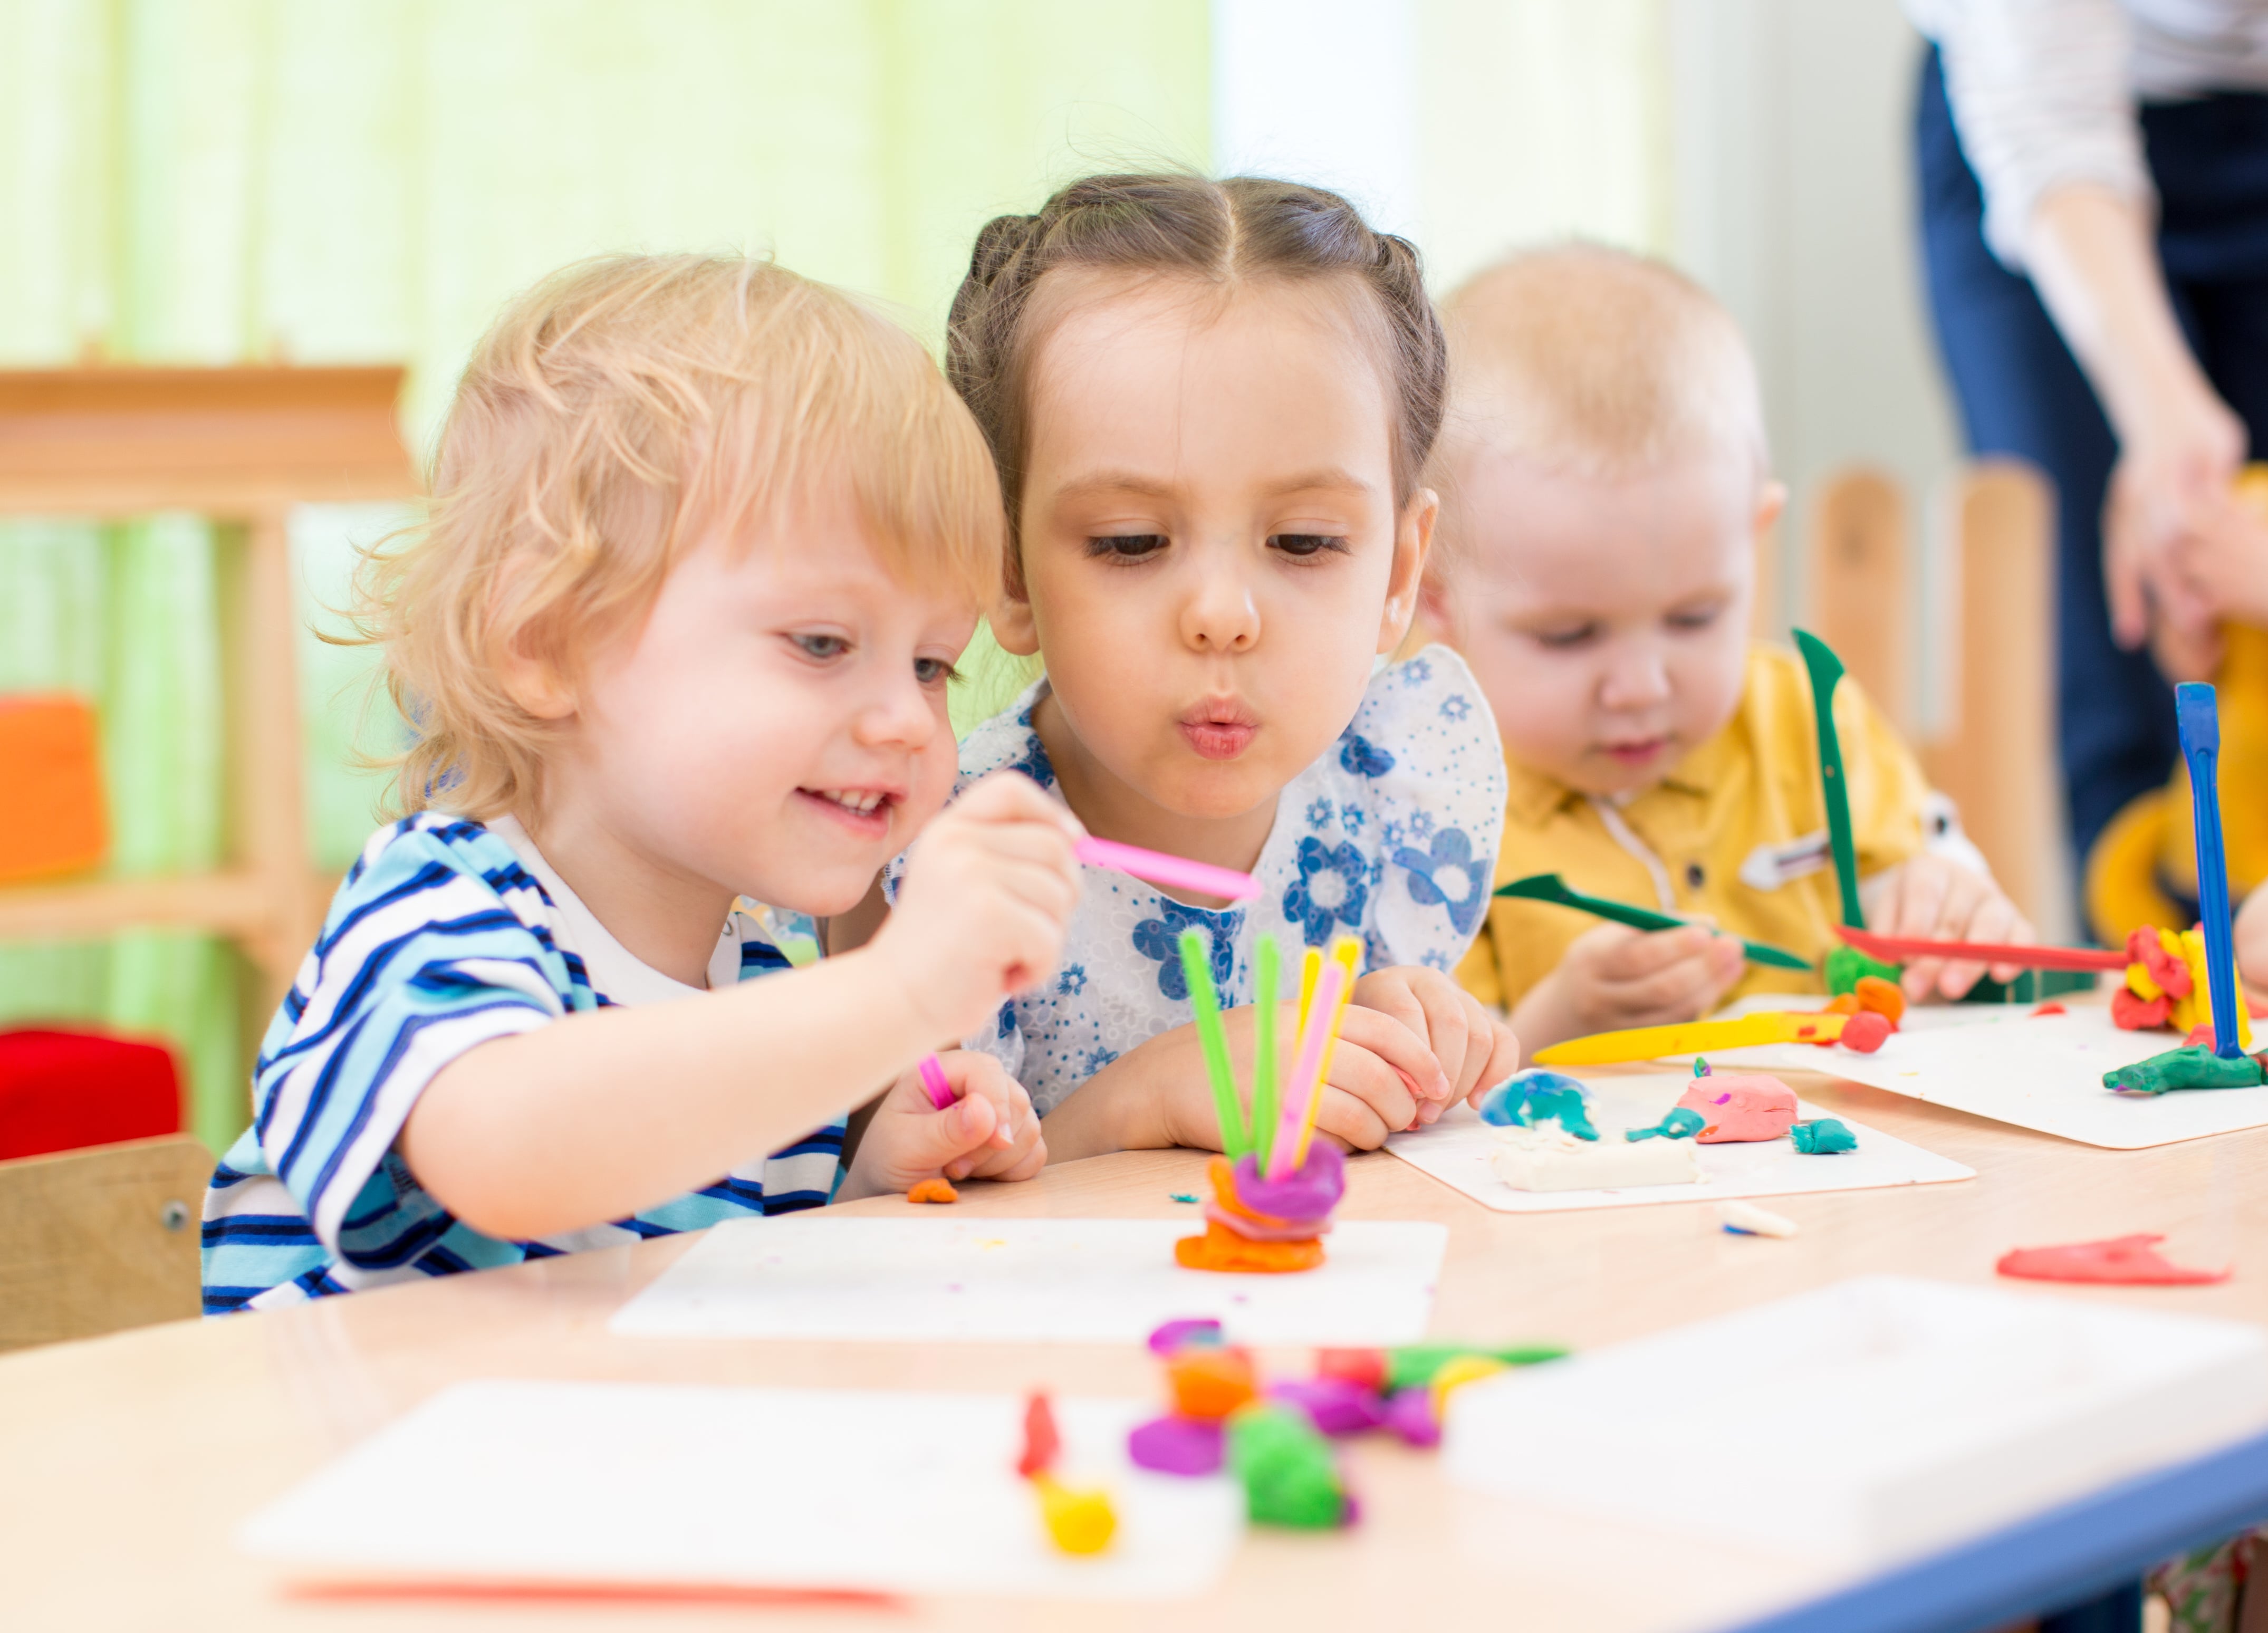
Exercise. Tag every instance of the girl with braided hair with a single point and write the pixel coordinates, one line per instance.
(1210, 403)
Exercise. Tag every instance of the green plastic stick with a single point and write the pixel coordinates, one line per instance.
(1263, 1051)
(1551, 887)
(1207, 1002)
(1826, 670)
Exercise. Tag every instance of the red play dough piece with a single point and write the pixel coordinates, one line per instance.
(1041, 1441)
(1741, 1106)
(2171, 974)
(1866, 1031)
(2125, 1259)
(2132, 1013)
(2049, 1008)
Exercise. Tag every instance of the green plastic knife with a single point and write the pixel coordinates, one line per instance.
(1551, 887)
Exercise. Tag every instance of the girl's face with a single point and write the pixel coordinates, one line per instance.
(1212, 553)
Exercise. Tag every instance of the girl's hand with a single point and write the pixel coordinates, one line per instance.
(1612, 976)
(1932, 896)
(988, 893)
(989, 1132)
(1471, 1048)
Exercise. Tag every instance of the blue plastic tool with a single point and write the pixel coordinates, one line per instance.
(2198, 718)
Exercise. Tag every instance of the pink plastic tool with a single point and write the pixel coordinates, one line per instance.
(1175, 872)
(933, 1077)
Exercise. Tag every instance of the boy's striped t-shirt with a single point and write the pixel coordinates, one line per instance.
(447, 933)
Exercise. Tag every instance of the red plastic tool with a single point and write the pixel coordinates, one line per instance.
(1890, 949)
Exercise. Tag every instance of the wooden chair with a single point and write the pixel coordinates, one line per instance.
(1995, 753)
(96, 1241)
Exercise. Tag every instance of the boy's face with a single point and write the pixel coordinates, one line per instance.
(777, 727)
(1212, 552)
(1607, 618)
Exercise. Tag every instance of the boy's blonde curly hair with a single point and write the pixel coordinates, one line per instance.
(617, 414)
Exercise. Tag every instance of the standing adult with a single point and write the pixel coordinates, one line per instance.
(2093, 194)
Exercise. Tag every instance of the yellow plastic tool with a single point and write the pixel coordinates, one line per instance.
(1695, 1037)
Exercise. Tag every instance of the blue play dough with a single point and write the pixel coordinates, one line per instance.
(1527, 1097)
(1680, 1124)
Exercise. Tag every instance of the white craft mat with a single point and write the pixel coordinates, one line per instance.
(610, 1484)
(2001, 1062)
(949, 1275)
(1455, 1151)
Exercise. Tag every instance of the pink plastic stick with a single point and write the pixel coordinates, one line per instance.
(1306, 1075)
(1176, 872)
(933, 1077)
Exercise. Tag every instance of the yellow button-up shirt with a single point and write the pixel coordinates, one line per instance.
(1737, 831)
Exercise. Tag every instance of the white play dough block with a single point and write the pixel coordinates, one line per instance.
(1871, 1420)
(1548, 1159)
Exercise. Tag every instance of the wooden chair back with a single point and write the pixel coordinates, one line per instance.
(97, 1240)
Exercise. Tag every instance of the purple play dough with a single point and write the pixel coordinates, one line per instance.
(1309, 1192)
(1174, 1334)
(1176, 1446)
(1409, 1414)
(1338, 1406)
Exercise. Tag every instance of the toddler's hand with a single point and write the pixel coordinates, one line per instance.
(2251, 938)
(989, 1132)
(1471, 1048)
(1936, 897)
(1613, 977)
(989, 890)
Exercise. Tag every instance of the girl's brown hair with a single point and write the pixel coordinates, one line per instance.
(1219, 233)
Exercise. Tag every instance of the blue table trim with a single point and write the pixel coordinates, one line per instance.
(2065, 1556)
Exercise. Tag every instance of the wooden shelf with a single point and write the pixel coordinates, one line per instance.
(238, 904)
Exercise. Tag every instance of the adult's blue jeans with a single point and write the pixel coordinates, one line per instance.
(2021, 395)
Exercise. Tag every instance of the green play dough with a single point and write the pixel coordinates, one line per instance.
(1289, 1475)
(2196, 1068)
(1822, 1136)
(1846, 965)
(1413, 1365)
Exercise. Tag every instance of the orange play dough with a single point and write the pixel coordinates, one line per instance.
(1220, 1248)
(933, 1190)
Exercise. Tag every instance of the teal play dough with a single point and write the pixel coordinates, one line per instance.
(1822, 1136)
(2190, 1068)
(1527, 1097)
(1680, 1124)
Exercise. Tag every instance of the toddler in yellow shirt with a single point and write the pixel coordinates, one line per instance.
(1605, 488)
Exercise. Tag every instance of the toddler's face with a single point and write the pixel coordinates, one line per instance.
(1211, 547)
(1607, 619)
(778, 726)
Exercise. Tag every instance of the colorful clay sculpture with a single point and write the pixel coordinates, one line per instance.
(1822, 1137)
(1255, 1224)
(2166, 985)
(1740, 1106)
(2128, 1260)
(1536, 1096)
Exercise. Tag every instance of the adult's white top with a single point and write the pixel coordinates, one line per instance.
(2045, 91)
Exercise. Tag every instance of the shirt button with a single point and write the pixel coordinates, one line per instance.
(1695, 876)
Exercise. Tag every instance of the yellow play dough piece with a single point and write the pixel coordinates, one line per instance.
(1458, 1371)
(1080, 1522)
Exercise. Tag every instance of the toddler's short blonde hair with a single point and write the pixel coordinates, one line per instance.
(1600, 362)
(617, 414)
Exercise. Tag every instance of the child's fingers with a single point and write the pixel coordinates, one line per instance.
(1353, 1120)
(1680, 992)
(1371, 1034)
(1502, 1061)
(1642, 953)
(1012, 797)
(1431, 1015)
(1389, 1092)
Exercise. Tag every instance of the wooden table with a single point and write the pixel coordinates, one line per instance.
(127, 1463)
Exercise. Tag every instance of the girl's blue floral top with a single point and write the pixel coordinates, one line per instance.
(1391, 837)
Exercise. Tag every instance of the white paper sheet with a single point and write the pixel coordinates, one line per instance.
(2042, 1072)
(1455, 1151)
(607, 1484)
(1028, 1281)
(1871, 1419)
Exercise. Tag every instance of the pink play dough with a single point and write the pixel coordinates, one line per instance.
(1740, 1106)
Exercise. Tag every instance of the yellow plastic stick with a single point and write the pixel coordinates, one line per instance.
(1695, 1037)
(1311, 970)
(1347, 952)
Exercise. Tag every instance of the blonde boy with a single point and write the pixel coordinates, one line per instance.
(705, 539)
(1605, 490)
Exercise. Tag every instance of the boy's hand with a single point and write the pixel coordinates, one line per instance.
(1471, 1048)
(989, 890)
(989, 1132)
(1936, 897)
(1612, 976)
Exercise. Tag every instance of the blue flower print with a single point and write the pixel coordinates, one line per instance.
(1319, 813)
(1390, 834)
(1421, 823)
(1363, 758)
(1071, 982)
(1352, 818)
(1434, 958)
(1007, 1025)
(1097, 1059)
(1457, 707)
(1417, 670)
(1330, 890)
(1453, 854)
(1160, 938)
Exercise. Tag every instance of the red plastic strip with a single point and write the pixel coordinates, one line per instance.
(1892, 948)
